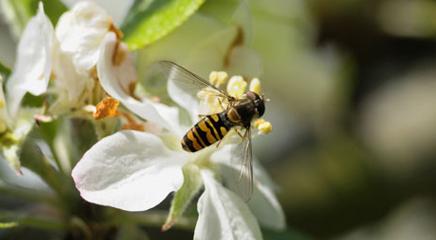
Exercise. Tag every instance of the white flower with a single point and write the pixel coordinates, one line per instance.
(135, 171)
(68, 57)
(80, 32)
(31, 74)
(223, 215)
(67, 54)
(33, 66)
(72, 89)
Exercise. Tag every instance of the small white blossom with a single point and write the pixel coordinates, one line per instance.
(31, 74)
(80, 32)
(223, 215)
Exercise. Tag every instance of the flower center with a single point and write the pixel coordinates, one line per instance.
(237, 88)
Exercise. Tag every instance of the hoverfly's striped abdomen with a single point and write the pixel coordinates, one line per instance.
(206, 132)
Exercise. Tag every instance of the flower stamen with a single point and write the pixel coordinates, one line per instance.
(218, 78)
(263, 127)
(255, 86)
(106, 108)
(236, 87)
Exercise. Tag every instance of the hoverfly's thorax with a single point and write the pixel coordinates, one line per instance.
(233, 116)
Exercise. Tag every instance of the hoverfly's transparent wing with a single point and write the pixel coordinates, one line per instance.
(184, 86)
(185, 79)
(243, 152)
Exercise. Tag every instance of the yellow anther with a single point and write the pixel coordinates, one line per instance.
(213, 104)
(2, 104)
(209, 98)
(218, 78)
(264, 127)
(255, 86)
(203, 93)
(236, 86)
(258, 121)
(106, 108)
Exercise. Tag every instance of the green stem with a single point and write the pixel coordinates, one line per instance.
(27, 194)
(32, 221)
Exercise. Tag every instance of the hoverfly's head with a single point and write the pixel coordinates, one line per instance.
(259, 102)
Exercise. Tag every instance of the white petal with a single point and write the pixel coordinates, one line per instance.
(129, 170)
(81, 31)
(263, 203)
(34, 61)
(184, 99)
(69, 85)
(112, 79)
(223, 215)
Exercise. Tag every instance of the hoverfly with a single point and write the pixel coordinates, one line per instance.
(212, 128)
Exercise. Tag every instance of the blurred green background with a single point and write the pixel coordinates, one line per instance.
(352, 85)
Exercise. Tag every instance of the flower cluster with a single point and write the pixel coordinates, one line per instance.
(61, 63)
(87, 68)
(135, 171)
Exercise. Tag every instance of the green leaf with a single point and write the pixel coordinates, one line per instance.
(4, 225)
(53, 9)
(150, 20)
(191, 185)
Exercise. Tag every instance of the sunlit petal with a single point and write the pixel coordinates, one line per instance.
(129, 170)
(34, 61)
(112, 78)
(223, 215)
(80, 32)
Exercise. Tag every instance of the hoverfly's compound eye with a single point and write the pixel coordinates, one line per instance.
(260, 106)
(258, 102)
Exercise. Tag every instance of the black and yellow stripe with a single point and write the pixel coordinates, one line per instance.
(206, 132)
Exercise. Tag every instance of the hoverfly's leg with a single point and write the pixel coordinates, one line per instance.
(219, 142)
(221, 104)
(239, 133)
